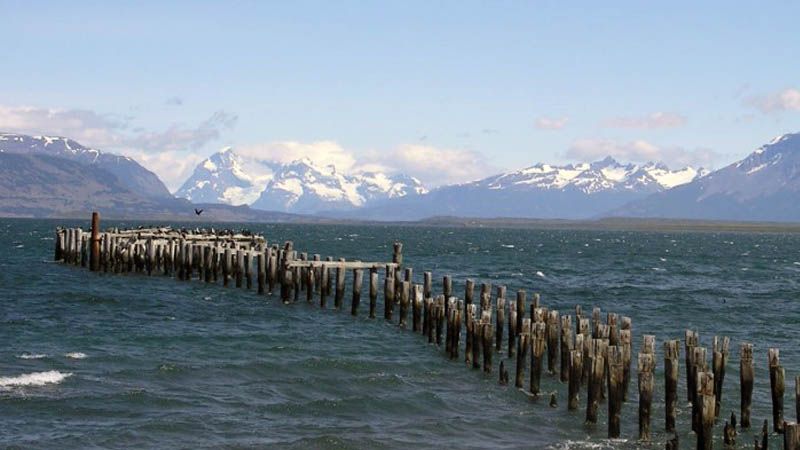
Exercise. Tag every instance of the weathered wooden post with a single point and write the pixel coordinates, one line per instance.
(469, 320)
(272, 275)
(625, 337)
(538, 342)
(416, 308)
(691, 340)
(615, 361)
(791, 436)
(447, 288)
(405, 288)
(262, 272)
(706, 408)
(240, 267)
(388, 294)
(671, 373)
(487, 333)
(311, 276)
(567, 345)
(248, 269)
(512, 330)
(338, 298)
(719, 361)
(597, 369)
(373, 291)
(797, 398)
(358, 281)
(500, 322)
(429, 324)
(646, 365)
(776, 385)
(522, 300)
(440, 307)
(469, 292)
(552, 341)
(746, 376)
(94, 256)
(427, 284)
(522, 352)
(575, 371)
(699, 365)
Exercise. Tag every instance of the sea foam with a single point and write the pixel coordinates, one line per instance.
(35, 379)
(32, 356)
(75, 355)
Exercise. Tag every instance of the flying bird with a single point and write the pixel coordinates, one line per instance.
(198, 211)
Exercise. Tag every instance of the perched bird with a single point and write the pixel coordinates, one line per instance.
(198, 211)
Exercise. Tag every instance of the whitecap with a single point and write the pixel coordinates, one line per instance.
(539, 274)
(662, 259)
(35, 379)
(20, 246)
(32, 356)
(796, 263)
(75, 355)
(659, 269)
(507, 245)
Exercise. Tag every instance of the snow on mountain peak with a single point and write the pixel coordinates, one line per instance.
(604, 175)
(300, 185)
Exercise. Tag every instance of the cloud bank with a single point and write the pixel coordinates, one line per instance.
(640, 151)
(650, 121)
(785, 100)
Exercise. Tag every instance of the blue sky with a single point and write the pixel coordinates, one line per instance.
(447, 91)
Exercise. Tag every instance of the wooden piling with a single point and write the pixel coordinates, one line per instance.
(615, 362)
(597, 369)
(776, 385)
(746, 378)
(388, 295)
(538, 343)
(522, 297)
(416, 307)
(671, 373)
(469, 292)
(311, 279)
(567, 344)
(691, 340)
(625, 339)
(239, 268)
(500, 322)
(447, 288)
(405, 289)
(797, 398)
(575, 371)
(94, 256)
(552, 341)
(248, 269)
(487, 335)
(791, 436)
(699, 364)
(373, 291)
(338, 298)
(706, 409)
(523, 343)
(646, 366)
(262, 271)
(468, 341)
(512, 330)
(358, 281)
(719, 362)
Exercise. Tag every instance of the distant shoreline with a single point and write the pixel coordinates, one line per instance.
(610, 224)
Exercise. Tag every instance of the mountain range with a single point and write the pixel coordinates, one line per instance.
(299, 186)
(56, 176)
(571, 191)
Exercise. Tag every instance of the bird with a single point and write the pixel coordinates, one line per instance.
(198, 211)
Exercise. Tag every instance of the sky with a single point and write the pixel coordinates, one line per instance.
(445, 91)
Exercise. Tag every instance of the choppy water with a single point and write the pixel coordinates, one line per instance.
(92, 360)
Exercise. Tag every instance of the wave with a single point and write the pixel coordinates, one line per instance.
(539, 274)
(32, 356)
(35, 379)
(75, 355)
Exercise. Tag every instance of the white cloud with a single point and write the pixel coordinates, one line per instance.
(173, 167)
(436, 166)
(432, 165)
(551, 123)
(640, 151)
(180, 138)
(320, 152)
(650, 121)
(785, 100)
(78, 124)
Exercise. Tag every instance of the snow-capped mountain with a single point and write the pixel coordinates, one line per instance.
(763, 186)
(226, 177)
(298, 186)
(573, 191)
(130, 173)
(590, 178)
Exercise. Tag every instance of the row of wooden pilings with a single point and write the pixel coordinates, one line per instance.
(580, 350)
